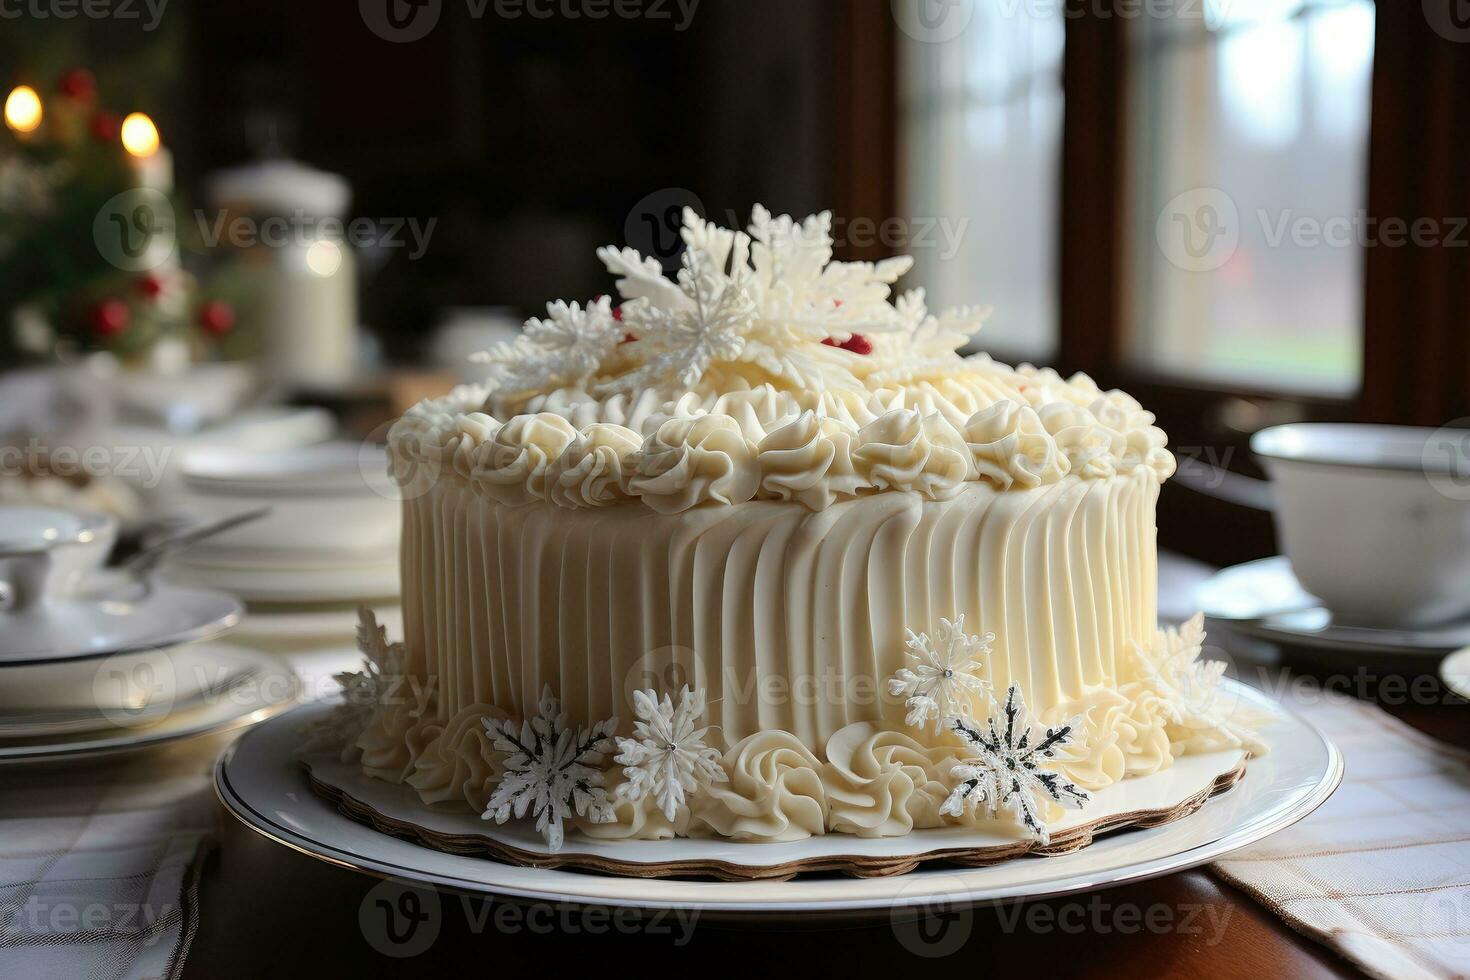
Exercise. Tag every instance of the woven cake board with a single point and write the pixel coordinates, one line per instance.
(1140, 802)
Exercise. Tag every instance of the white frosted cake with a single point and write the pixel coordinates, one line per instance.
(755, 553)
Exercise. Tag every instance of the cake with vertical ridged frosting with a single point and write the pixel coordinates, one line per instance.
(752, 551)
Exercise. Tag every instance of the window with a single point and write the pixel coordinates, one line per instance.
(980, 126)
(1246, 176)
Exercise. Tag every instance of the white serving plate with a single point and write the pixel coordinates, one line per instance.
(259, 780)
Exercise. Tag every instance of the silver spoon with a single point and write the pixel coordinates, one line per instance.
(140, 565)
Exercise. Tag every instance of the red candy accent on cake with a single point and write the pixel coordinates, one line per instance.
(856, 344)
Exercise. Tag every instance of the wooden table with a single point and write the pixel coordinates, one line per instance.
(266, 910)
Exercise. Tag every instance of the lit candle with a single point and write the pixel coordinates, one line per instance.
(23, 109)
(151, 162)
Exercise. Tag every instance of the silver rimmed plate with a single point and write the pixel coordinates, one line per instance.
(1262, 599)
(115, 615)
(249, 687)
(260, 781)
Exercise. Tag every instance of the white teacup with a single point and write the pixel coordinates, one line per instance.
(46, 553)
(1375, 518)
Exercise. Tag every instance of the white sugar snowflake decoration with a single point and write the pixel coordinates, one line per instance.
(685, 338)
(943, 678)
(1006, 772)
(550, 770)
(363, 690)
(568, 346)
(667, 757)
(1188, 687)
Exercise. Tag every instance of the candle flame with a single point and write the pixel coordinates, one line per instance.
(23, 109)
(139, 135)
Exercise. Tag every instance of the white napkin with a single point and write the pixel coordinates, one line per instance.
(1381, 873)
(98, 868)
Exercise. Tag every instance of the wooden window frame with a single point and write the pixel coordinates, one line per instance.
(1416, 301)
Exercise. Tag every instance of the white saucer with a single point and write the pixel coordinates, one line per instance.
(293, 583)
(258, 687)
(1263, 599)
(115, 615)
(1454, 670)
(260, 781)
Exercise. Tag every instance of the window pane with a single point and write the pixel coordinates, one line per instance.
(1247, 170)
(981, 128)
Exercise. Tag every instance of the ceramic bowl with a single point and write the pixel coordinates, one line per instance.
(1375, 519)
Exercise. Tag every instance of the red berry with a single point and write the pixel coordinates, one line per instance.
(150, 285)
(618, 313)
(217, 318)
(78, 84)
(856, 344)
(106, 126)
(109, 318)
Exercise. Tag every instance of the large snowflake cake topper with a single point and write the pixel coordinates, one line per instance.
(551, 770)
(769, 300)
(1188, 687)
(667, 757)
(1006, 772)
(364, 690)
(943, 678)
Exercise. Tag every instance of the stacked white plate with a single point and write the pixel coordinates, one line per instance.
(331, 536)
(95, 662)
